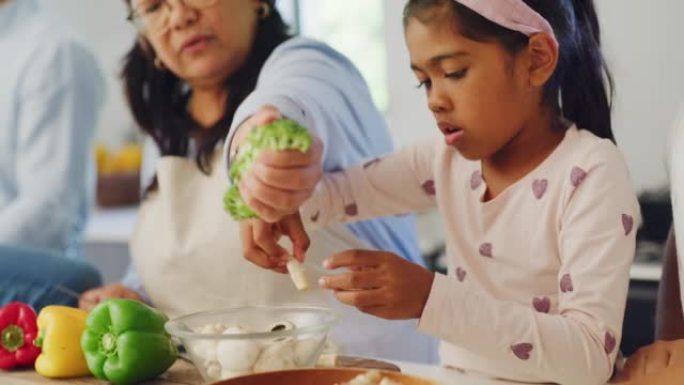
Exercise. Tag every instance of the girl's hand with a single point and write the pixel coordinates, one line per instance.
(260, 242)
(652, 359)
(379, 283)
(91, 298)
(278, 182)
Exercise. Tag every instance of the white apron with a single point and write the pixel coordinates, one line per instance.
(188, 254)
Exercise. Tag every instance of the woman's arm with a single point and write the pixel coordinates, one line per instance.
(396, 184)
(672, 325)
(669, 318)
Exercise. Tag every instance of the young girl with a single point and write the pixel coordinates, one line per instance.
(537, 204)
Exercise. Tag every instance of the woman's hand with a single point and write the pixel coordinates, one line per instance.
(278, 182)
(260, 242)
(91, 298)
(379, 283)
(662, 356)
(672, 375)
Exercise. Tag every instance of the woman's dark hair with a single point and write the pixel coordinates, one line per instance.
(581, 83)
(158, 98)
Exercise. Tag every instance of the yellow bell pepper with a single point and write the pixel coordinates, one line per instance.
(59, 335)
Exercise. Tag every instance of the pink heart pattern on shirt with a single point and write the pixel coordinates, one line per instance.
(475, 180)
(522, 351)
(566, 284)
(429, 187)
(314, 218)
(539, 187)
(461, 274)
(351, 210)
(610, 343)
(577, 176)
(627, 223)
(542, 304)
(487, 250)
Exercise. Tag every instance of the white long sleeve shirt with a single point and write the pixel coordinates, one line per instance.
(538, 277)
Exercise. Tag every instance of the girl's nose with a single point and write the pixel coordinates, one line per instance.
(438, 101)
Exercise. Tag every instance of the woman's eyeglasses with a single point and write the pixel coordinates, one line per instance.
(154, 15)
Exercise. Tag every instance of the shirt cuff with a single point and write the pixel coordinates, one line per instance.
(440, 300)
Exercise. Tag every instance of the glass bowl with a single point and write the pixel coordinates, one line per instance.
(229, 343)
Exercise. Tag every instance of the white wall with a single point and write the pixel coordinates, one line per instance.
(644, 49)
(641, 40)
(102, 25)
(408, 115)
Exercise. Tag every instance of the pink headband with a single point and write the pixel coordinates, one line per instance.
(512, 14)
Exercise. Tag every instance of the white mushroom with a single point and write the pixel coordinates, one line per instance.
(237, 355)
(304, 351)
(282, 325)
(205, 349)
(278, 355)
(372, 377)
(213, 370)
(388, 381)
(297, 274)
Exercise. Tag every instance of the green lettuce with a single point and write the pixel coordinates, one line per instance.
(281, 135)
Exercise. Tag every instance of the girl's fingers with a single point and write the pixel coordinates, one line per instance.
(360, 299)
(354, 259)
(379, 311)
(362, 280)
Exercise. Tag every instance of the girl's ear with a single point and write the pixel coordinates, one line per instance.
(543, 58)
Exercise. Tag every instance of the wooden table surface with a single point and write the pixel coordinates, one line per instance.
(181, 373)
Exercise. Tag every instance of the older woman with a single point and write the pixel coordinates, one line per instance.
(202, 69)
(662, 363)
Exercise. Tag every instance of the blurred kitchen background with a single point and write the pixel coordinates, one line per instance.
(638, 38)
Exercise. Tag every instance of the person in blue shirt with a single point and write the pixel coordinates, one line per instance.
(51, 91)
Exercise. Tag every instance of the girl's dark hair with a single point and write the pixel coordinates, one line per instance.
(158, 98)
(581, 84)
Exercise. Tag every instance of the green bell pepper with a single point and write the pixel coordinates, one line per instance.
(125, 342)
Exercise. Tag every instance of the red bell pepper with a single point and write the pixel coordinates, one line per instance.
(18, 330)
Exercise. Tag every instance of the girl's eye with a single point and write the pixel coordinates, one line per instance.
(457, 75)
(424, 84)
